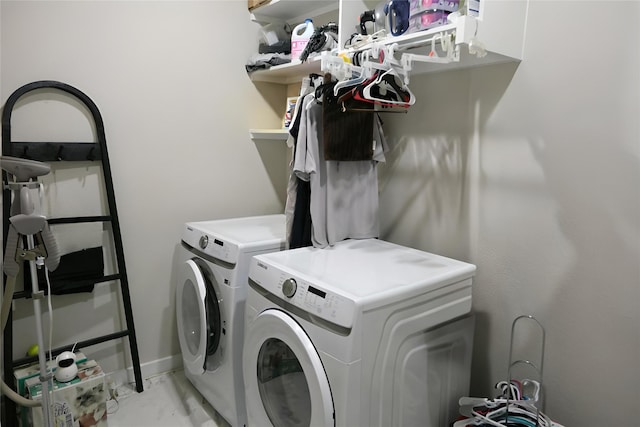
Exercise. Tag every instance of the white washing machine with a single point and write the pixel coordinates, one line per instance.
(364, 333)
(213, 263)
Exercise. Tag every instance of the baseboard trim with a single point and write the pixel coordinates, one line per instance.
(148, 369)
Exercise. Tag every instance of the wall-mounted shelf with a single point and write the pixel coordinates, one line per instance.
(464, 30)
(499, 31)
(287, 73)
(270, 134)
(500, 28)
(292, 11)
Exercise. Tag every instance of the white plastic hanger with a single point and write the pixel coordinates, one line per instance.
(360, 78)
(382, 83)
(452, 54)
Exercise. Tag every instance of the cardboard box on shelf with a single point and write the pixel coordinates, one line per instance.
(81, 402)
(252, 4)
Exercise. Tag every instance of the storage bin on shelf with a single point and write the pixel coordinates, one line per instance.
(417, 6)
(427, 14)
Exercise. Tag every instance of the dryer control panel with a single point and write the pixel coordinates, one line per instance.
(227, 239)
(210, 245)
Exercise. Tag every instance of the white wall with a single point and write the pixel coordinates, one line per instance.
(529, 171)
(169, 80)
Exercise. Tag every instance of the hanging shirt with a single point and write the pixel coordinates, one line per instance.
(297, 216)
(344, 194)
(309, 165)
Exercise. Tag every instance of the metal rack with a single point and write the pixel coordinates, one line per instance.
(521, 402)
(70, 152)
(535, 365)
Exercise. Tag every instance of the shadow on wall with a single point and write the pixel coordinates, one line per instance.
(488, 86)
(422, 183)
(561, 240)
(567, 253)
(594, 307)
(274, 95)
(169, 321)
(274, 156)
(425, 184)
(429, 183)
(422, 193)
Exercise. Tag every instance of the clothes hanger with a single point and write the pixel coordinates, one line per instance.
(358, 58)
(385, 86)
(365, 64)
(379, 107)
(520, 415)
(501, 412)
(349, 83)
(387, 89)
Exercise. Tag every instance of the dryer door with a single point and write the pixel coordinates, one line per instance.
(286, 384)
(198, 317)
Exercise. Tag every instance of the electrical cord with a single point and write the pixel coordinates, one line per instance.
(50, 307)
(7, 299)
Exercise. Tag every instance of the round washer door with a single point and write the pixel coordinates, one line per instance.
(286, 384)
(198, 317)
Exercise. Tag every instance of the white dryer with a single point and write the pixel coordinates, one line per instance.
(212, 268)
(364, 333)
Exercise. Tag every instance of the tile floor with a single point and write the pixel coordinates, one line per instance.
(168, 400)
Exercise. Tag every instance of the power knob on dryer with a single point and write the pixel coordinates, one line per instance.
(289, 287)
(204, 241)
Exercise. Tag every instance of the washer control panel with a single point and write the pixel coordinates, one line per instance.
(316, 300)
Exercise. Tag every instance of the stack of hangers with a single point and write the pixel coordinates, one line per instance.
(370, 79)
(383, 88)
(516, 407)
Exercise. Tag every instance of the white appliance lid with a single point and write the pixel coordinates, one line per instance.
(227, 239)
(267, 229)
(369, 269)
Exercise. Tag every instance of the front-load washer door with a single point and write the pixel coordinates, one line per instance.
(198, 317)
(286, 385)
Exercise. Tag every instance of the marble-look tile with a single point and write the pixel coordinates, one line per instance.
(168, 400)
